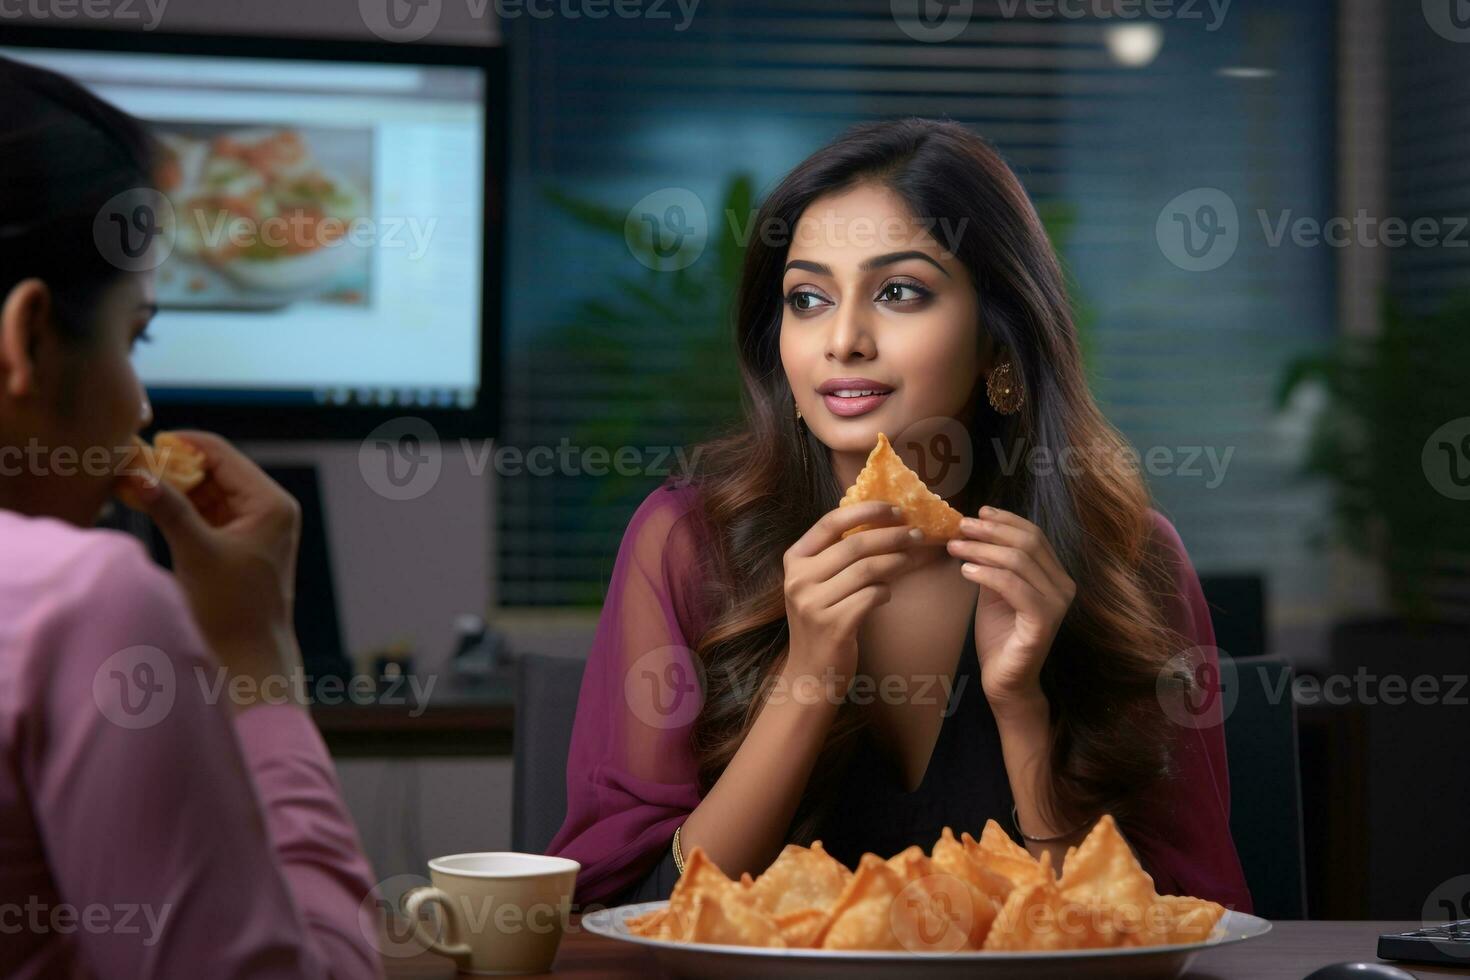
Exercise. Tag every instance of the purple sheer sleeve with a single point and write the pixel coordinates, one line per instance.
(1182, 836)
(631, 772)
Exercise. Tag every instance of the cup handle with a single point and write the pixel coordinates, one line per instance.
(412, 906)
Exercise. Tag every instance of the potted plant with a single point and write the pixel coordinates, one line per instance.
(1387, 442)
(1393, 439)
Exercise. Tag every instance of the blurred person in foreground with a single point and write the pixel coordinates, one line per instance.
(167, 808)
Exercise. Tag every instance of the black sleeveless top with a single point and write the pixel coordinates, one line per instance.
(964, 785)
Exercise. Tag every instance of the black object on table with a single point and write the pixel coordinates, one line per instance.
(1444, 943)
(1360, 970)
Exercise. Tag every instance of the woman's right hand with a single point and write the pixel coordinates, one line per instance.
(234, 540)
(832, 583)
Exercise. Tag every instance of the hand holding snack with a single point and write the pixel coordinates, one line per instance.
(233, 534)
(985, 895)
(833, 581)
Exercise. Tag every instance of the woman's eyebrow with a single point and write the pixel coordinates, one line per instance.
(893, 257)
(151, 309)
(817, 267)
(868, 265)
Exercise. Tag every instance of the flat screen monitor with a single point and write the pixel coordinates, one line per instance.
(332, 214)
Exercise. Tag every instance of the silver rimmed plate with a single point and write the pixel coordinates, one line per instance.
(703, 960)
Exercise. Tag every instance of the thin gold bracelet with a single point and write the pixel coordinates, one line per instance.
(678, 850)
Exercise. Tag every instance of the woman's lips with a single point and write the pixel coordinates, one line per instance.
(848, 407)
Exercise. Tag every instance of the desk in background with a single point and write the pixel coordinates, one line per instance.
(453, 722)
(424, 779)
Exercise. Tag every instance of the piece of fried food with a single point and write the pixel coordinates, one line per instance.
(1103, 876)
(707, 907)
(649, 924)
(733, 923)
(1039, 917)
(798, 890)
(910, 864)
(886, 478)
(1003, 857)
(940, 910)
(1189, 920)
(1103, 868)
(988, 890)
(952, 857)
(860, 917)
(800, 878)
(171, 459)
(702, 877)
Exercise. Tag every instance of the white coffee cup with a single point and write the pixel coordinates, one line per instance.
(500, 912)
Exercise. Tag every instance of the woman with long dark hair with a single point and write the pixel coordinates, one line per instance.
(167, 807)
(759, 678)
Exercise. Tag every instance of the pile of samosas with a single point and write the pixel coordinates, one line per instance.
(967, 895)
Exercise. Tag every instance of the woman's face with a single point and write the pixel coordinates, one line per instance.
(68, 405)
(871, 295)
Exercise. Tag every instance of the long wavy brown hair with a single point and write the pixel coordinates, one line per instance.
(757, 497)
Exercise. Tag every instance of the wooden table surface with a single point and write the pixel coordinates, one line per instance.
(1289, 952)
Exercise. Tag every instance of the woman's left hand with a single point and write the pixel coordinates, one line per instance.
(1025, 593)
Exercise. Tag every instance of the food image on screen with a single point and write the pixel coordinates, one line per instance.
(325, 229)
(265, 216)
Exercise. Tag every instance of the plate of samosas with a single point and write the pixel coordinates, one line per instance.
(969, 908)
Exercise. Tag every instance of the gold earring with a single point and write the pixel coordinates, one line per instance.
(1005, 392)
(800, 438)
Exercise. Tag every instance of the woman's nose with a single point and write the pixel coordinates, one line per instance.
(145, 413)
(850, 334)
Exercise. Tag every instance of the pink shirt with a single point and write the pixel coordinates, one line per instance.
(144, 831)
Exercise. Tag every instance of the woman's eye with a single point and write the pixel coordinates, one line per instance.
(902, 292)
(141, 337)
(803, 301)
